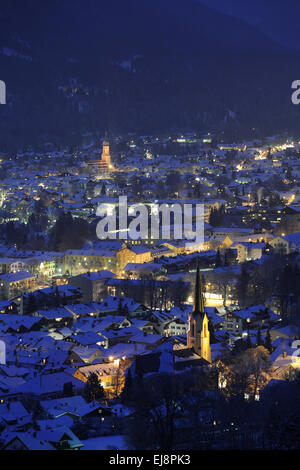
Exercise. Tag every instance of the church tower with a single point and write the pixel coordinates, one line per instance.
(198, 336)
(104, 164)
(105, 157)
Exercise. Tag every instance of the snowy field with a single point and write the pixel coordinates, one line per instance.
(104, 443)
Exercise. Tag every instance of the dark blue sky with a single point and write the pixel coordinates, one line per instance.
(277, 18)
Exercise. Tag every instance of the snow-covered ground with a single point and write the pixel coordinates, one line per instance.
(104, 442)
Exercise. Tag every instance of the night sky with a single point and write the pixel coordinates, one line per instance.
(277, 18)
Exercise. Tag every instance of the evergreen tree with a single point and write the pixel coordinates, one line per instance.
(211, 330)
(37, 411)
(93, 390)
(258, 337)
(239, 346)
(103, 190)
(56, 299)
(120, 308)
(268, 342)
(31, 303)
(64, 299)
(218, 261)
(125, 310)
(213, 217)
(248, 340)
(242, 286)
(127, 390)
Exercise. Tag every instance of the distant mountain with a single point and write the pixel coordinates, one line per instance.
(279, 19)
(72, 66)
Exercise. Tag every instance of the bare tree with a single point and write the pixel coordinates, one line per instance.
(158, 402)
(247, 372)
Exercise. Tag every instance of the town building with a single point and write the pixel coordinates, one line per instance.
(92, 285)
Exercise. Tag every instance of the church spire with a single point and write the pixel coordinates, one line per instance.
(198, 336)
(198, 299)
(106, 137)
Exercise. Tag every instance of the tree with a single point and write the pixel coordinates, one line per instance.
(64, 299)
(282, 415)
(224, 280)
(268, 342)
(93, 390)
(260, 362)
(213, 217)
(258, 337)
(211, 329)
(31, 303)
(218, 261)
(239, 346)
(176, 291)
(254, 364)
(248, 340)
(226, 258)
(119, 378)
(247, 372)
(158, 401)
(68, 233)
(127, 390)
(120, 307)
(103, 190)
(216, 216)
(242, 287)
(56, 298)
(37, 411)
(173, 181)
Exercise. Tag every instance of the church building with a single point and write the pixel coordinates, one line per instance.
(104, 163)
(198, 336)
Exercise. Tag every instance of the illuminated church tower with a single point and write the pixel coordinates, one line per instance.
(104, 164)
(105, 157)
(198, 332)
